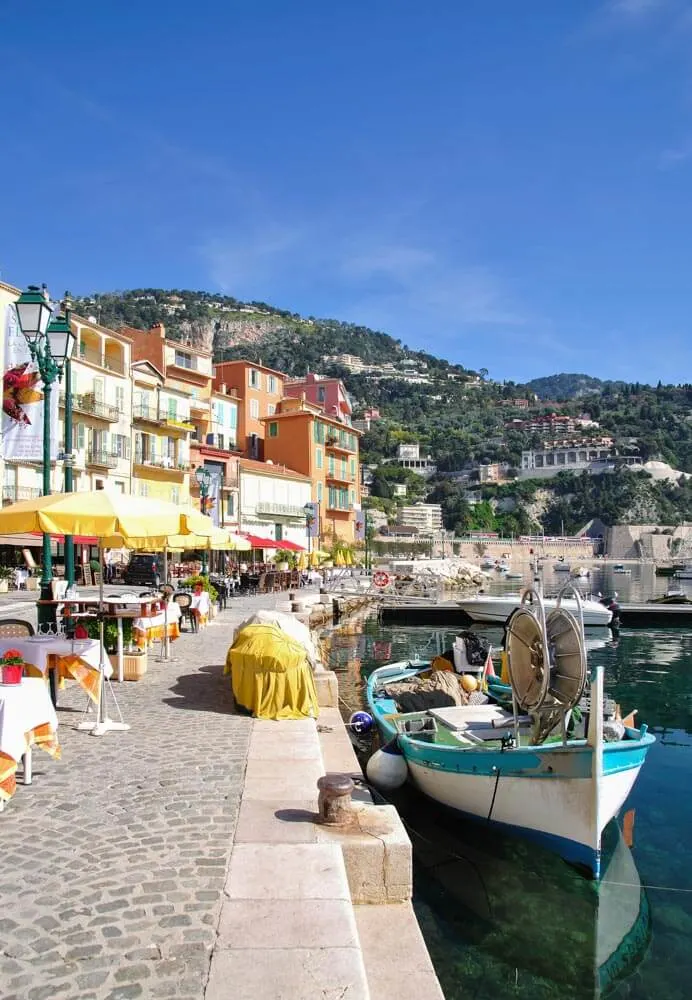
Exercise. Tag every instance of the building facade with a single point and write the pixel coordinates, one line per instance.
(327, 393)
(424, 517)
(272, 501)
(302, 437)
(258, 391)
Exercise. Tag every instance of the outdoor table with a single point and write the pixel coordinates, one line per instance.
(163, 625)
(27, 718)
(75, 658)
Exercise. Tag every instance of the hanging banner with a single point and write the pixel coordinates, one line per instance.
(22, 398)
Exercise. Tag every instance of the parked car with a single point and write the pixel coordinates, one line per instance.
(145, 569)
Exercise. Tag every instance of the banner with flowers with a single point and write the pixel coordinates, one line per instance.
(22, 398)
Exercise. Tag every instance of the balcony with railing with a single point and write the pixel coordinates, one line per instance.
(162, 463)
(338, 506)
(280, 510)
(336, 443)
(340, 477)
(102, 458)
(87, 403)
(148, 414)
(109, 360)
(11, 494)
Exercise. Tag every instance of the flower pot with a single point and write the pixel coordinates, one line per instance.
(11, 673)
(134, 665)
(4, 586)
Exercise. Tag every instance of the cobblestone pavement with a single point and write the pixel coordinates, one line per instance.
(114, 859)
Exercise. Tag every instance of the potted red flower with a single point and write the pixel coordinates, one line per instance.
(11, 667)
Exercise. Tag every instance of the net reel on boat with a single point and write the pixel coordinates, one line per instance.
(546, 660)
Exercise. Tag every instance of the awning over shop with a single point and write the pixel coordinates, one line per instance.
(273, 543)
(34, 540)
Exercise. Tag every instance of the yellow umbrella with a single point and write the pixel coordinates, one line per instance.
(302, 562)
(348, 559)
(339, 560)
(219, 539)
(114, 518)
(314, 559)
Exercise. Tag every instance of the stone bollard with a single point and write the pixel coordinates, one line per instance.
(334, 801)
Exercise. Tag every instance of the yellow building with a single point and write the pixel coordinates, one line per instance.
(101, 415)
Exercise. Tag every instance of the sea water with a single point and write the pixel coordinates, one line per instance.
(505, 919)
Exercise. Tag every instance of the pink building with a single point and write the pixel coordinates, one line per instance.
(328, 393)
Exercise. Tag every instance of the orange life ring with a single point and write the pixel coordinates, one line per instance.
(381, 579)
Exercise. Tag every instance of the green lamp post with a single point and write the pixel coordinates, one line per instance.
(50, 343)
(203, 477)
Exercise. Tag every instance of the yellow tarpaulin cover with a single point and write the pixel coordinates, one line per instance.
(271, 674)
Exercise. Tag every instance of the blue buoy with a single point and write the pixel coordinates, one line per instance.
(361, 722)
(387, 768)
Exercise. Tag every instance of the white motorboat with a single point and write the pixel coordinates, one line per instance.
(561, 567)
(581, 572)
(487, 608)
(685, 573)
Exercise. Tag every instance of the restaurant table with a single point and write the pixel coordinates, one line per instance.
(163, 625)
(75, 658)
(27, 718)
(120, 607)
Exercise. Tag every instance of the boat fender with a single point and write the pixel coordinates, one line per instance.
(361, 722)
(387, 768)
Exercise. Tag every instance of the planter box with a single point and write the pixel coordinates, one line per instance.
(134, 667)
(4, 586)
(32, 583)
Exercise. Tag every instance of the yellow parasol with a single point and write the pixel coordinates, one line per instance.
(314, 559)
(339, 559)
(302, 562)
(348, 558)
(218, 540)
(114, 518)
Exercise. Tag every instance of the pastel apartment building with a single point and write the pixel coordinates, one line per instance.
(301, 436)
(258, 391)
(328, 393)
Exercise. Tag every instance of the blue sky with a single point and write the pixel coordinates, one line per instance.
(504, 184)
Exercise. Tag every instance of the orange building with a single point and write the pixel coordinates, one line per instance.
(259, 391)
(301, 436)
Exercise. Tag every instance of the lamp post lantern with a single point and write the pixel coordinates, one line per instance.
(203, 477)
(50, 343)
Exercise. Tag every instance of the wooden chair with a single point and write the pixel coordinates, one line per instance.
(184, 602)
(15, 628)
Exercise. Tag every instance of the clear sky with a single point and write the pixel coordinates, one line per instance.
(506, 183)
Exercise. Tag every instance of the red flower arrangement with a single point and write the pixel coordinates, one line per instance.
(11, 667)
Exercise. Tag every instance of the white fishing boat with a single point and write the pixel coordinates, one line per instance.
(580, 572)
(497, 609)
(620, 568)
(561, 567)
(509, 760)
(685, 573)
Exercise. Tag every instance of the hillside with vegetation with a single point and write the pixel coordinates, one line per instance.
(462, 419)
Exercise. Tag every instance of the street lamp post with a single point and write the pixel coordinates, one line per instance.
(366, 538)
(50, 343)
(203, 477)
(309, 521)
(68, 461)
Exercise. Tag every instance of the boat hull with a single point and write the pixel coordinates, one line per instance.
(557, 812)
(498, 609)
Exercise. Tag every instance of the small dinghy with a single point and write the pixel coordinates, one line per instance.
(515, 757)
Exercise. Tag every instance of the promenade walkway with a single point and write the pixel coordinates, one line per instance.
(114, 861)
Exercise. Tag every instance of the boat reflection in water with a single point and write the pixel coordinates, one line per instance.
(513, 919)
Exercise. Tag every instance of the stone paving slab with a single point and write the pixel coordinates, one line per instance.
(115, 858)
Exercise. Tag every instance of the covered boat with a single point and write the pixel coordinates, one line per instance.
(516, 758)
(271, 673)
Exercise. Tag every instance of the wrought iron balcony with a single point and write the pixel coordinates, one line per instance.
(102, 458)
(87, 403)
(280, 510)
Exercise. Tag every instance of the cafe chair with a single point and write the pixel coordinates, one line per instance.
(15, 628)
(184, 602)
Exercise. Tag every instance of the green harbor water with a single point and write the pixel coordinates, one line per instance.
(505, 919)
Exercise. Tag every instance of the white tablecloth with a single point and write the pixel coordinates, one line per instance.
(37, 651)
(144, 624)
(23, 707)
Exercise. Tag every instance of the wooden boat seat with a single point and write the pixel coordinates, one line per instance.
(475, 720)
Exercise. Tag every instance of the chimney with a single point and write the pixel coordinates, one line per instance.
(159, 329)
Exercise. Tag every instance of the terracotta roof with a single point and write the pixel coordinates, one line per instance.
(270, 469)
